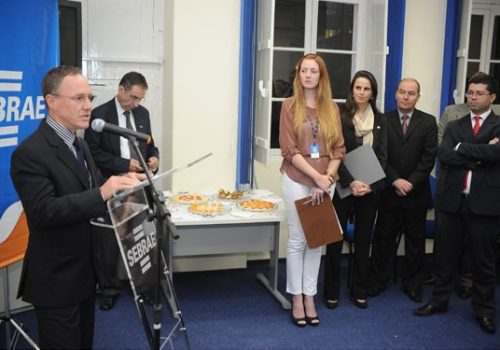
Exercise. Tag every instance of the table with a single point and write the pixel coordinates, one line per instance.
(234, 232)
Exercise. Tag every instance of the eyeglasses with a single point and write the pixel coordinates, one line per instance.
(80, 99)
(476, 93)
(136, 98)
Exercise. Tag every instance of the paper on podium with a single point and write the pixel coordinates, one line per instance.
(171, 171)
(319, 222)
(363, 165)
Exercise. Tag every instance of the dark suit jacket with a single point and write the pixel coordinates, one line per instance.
(105, 147)
(410, 157)
(379, 147)
(58, 265)
(474, 154)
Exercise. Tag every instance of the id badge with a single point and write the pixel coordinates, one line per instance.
(314, 151)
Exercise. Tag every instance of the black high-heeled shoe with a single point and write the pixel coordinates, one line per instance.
(312, 321)
(331, 304)
(299, 322)
(359, 303)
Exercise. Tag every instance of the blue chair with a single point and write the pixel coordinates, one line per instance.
(349, 239)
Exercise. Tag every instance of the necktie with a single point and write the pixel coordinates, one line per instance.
(404, 124)
(475, 130)
(80, 158)
(477, 124)
(133, 153)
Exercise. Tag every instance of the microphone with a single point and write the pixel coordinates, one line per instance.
(99, 125)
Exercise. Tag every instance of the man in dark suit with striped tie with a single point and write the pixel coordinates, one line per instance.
(60, 194)
(470, 154)
(411, 154)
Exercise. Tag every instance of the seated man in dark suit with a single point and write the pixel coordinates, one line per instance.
(114, 155)
(468, 201)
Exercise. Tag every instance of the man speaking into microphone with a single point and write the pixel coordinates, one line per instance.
(114, 154)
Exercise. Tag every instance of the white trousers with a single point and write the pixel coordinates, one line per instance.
(302, 263)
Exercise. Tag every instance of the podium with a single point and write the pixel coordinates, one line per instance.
(130, 218)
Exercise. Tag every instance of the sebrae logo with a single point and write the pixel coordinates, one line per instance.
(17, 110)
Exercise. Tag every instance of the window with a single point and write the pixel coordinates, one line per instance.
(340, 31)
(480, 36)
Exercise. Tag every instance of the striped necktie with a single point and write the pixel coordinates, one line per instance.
(80, 158)
(133, 153)
(404, 124)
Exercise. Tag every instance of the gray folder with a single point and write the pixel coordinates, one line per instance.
(363, 165)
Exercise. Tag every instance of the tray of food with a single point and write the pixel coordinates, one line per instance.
(230, 195)
(256, 205)
(189, 198)
(209, 209)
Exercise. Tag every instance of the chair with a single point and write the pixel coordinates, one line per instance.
(349, 239)
(11, 251)
(429, 227)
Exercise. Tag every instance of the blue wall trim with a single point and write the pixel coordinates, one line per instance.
(395, 41)
(244, 163)
(451, 38)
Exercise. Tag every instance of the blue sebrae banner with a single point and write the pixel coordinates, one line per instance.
(29, 47)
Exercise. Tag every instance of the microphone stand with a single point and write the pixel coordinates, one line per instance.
(161, 216)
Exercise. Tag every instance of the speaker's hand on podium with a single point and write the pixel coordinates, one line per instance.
(118, 183)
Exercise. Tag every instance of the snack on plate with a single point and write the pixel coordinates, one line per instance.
(223, 194)
(189, 198)
(208, 209)
(256, 205)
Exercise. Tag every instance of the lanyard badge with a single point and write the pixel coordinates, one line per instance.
(314, 148)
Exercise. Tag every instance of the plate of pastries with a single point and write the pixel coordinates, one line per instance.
(256, 205)
(209, 209)
(230, 195)
(189, 198)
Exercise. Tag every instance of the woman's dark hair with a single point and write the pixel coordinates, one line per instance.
(351, 107)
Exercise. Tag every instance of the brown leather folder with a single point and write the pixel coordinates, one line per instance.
(319, 222)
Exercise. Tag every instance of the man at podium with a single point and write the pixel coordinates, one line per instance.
(61, 190)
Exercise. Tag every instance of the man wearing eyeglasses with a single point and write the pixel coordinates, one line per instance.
(468, 203)
(61, 189)
(454, 112)
(114, 154)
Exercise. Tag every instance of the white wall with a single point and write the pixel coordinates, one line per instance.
(423, 50)
(119, 37)
(204, 44)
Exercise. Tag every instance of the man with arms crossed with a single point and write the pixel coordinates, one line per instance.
(470, 154)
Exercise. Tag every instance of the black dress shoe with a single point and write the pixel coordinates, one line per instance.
(361, 303)
(464, 292)
(429, 309)
(487, 324)
(374, 290)
(414, 295)
(107, 302)
(430, 279)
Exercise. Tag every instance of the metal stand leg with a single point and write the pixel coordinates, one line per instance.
(11, 339)
(272, 285)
